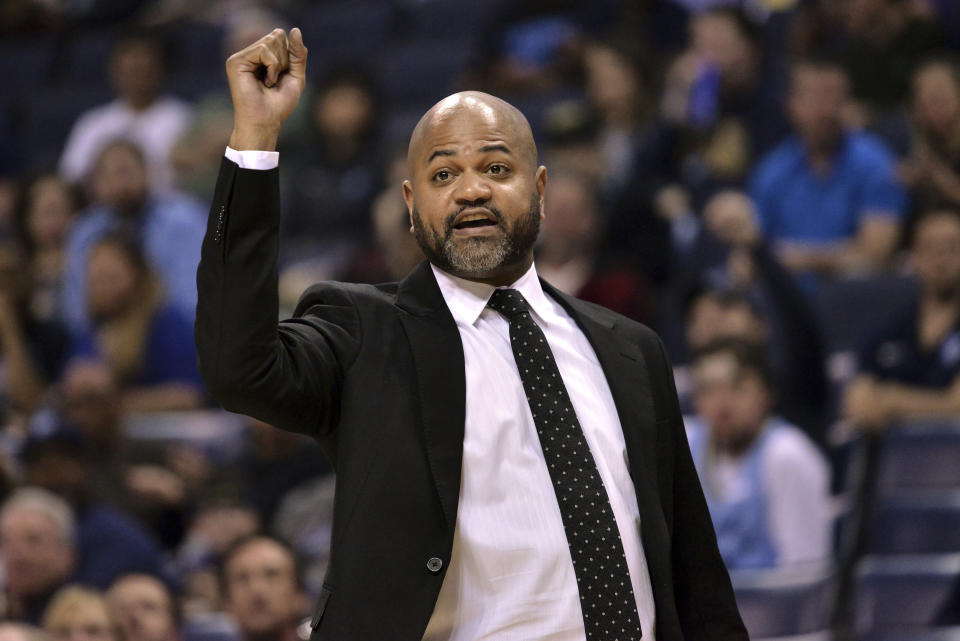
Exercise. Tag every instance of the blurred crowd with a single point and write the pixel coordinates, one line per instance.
(772, 185)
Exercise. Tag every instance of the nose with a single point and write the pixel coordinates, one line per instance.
(473, 189)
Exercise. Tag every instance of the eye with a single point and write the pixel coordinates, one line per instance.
(499, 169)
(441, 176)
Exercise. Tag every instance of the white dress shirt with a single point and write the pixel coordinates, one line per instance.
(511, 577)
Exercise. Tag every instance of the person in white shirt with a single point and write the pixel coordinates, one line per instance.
(766, 483)
(140, 113)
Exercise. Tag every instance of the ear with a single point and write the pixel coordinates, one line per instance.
(542, 187)
(408, 199)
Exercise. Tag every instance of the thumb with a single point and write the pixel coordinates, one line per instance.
(298, 54)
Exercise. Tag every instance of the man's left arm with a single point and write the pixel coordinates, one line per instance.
(704, 595)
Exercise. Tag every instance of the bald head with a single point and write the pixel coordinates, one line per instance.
(460, 109)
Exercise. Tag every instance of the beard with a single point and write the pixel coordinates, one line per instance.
(477, 257)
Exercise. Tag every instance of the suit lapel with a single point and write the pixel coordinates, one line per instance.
(441, 383)
(629, 382)
(628, 377)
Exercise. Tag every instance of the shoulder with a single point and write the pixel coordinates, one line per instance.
(337, 293)
(173, 107)
(88, 224)
(789, 451)
(100, 114)
(779, 160)
(869, 149)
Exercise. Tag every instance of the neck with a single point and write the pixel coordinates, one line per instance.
(821, 156)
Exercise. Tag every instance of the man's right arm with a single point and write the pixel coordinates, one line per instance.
(289, 374)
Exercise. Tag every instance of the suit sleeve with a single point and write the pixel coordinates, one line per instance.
(288, 374)
(704, 596)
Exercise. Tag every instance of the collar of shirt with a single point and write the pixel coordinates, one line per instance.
(467, 299)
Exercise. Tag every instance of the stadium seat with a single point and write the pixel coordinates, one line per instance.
(24, 63)
(784, 602)
(444, 18)
(330, 29)
(197, 45)
(902, 593)
(933, 634)
(48, 116)
(85, 59)
(423, 72)
(854, 309)
(916, 523)
(920, 455)
(825, 635)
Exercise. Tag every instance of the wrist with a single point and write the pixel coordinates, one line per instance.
(254, 138)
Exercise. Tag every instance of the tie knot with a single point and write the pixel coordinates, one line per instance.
(508, 302)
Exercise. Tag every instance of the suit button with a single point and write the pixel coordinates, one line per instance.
(434, 565)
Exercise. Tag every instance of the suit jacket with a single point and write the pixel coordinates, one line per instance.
(376, 374)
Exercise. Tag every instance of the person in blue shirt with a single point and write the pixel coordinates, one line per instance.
(828, 197)
(146, 342)
(766, 483)
(169, 225)
(912, 368)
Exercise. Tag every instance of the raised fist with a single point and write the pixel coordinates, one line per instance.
(266, 80)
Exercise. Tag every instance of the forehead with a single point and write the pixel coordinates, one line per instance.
(258, 554)
(462, 130)
(715, 368)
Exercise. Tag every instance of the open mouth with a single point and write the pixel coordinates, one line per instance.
(475, 219)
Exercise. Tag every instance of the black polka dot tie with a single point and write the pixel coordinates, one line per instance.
(606, 594)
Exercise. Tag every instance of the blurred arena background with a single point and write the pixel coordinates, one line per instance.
(772, 185)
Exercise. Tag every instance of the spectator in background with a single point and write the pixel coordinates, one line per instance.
(32, 350)
(46, 208)
(887, 39)
(767, 485)
(568, 253)
(79, 613)
(169, 226)
(145, 608)
(140, 113)
(750, 296)
(827, 197)
(912, 369)
(109, 542)
(37, 546)
(263, 588)
(722, 102)
(624, 154)
(337, 169)
(147, 343)
(21, 632)
(932, 168)
(220, 519)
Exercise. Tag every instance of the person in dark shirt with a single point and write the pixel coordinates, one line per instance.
(912, 369)
(32, 350)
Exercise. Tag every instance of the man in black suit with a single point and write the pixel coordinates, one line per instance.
(511, 462)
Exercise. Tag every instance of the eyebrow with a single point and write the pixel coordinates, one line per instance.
(441, 152)
(484, 149)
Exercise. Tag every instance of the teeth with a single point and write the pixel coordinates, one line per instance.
(473, 217)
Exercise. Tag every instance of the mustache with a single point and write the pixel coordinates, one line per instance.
(493, 211)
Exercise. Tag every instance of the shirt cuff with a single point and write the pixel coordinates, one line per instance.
(253, 159)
